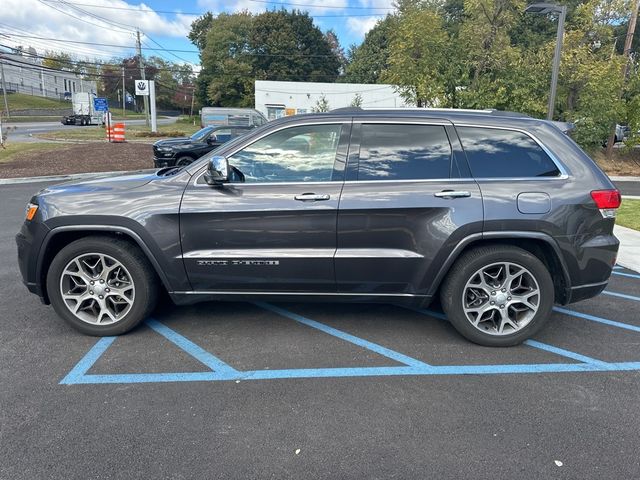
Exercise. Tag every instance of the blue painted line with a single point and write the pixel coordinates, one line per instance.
(531, 343)
(593, 318)
(197, 352)
(563, 352)
(362, 372)
(379, 349)
(623, 274)
(618, 267)
(156, 377)
(431, 313)
(622, 295)
(83, 366)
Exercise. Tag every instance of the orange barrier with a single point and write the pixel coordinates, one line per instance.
(117, 133)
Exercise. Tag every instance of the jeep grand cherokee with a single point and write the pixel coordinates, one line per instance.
(498, 215)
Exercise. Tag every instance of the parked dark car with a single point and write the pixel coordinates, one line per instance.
(184, 150)
(499, 216)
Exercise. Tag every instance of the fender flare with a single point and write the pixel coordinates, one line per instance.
(498, 235)
(101, 228)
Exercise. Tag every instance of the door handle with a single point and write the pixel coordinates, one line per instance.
(452, 194)
(312, 197)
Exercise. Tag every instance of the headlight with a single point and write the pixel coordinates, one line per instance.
(164, 149)
(31, 210)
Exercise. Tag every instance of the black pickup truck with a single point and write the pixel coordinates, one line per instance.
(184, 150)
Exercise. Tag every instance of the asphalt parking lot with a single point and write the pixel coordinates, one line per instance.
(236, 390)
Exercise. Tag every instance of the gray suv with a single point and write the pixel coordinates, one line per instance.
(497, 215)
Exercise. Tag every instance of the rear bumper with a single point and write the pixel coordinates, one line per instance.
(583, 292)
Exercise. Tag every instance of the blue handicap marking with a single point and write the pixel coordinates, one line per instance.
(221, 371)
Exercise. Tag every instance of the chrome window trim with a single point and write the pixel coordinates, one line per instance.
(563, 172)
(199, 174)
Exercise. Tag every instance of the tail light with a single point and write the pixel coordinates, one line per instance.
(607, 201)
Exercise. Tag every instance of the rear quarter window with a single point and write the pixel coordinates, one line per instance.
(497, 153)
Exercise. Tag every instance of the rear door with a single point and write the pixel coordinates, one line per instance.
(408, 199)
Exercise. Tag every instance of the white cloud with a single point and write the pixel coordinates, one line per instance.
(361, 25)
(46, 19)
(255, 6)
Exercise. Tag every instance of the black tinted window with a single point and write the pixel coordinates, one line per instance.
(296, 154)
(403, 152)
(504, 153)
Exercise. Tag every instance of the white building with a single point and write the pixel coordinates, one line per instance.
(277, 99)
(23, 73)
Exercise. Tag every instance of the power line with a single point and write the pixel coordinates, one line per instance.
(285, 55)
(318, 5)
(179, 12)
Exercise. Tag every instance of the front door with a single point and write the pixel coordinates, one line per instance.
(408, 200)
(273, 227)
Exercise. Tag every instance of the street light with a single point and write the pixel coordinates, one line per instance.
(543, 9)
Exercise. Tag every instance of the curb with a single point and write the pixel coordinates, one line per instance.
(629, 252)
(617, 178)
(54, 178)
(631, 197)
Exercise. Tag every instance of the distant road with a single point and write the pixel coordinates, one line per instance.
(24, 131)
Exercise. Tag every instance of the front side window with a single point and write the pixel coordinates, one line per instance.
(404, 152)
(297, 154)
(496, 153)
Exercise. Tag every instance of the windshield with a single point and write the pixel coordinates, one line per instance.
(200, 135)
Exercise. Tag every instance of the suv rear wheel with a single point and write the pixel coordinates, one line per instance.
(102, 286)
(498, 296)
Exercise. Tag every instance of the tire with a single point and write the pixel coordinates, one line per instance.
(478, 278)
(129, 289)
(183, 161)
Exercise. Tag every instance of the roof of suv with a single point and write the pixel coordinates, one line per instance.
(456, 116)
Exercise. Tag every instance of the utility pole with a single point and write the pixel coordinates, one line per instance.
(4, 89)
(124, 95)
(626, 53)
(193, 91)
(141, 64)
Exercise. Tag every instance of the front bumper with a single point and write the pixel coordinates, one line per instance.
(160, 162)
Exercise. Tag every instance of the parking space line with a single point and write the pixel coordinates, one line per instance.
(532, 343)
(593, 318)
(564, 353)
(618, 267)
(197, 352)
(624, 274)
(83, 366)
(379, 349)
(622, 295)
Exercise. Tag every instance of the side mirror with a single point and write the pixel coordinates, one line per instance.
(212, 139)
(217, 171)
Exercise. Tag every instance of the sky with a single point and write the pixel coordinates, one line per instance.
(52, 25)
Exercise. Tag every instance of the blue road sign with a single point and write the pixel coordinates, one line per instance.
(100, 104)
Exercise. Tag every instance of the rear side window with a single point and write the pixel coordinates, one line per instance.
(494, 153)
(403, 152)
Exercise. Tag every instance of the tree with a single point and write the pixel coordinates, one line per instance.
(59, 61)
(322, 105)
(199, 29)
(367, 62)
(275, 45)
(357, 101)
(286, 45)
(226, 62)
(417, 61)
(336, 49)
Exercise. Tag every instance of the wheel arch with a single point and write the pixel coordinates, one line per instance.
(543, 246)
(61, 236)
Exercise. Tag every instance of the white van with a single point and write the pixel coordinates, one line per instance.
(237, 117)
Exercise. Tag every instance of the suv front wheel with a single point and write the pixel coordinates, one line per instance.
(498, 296)
(102, 286)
